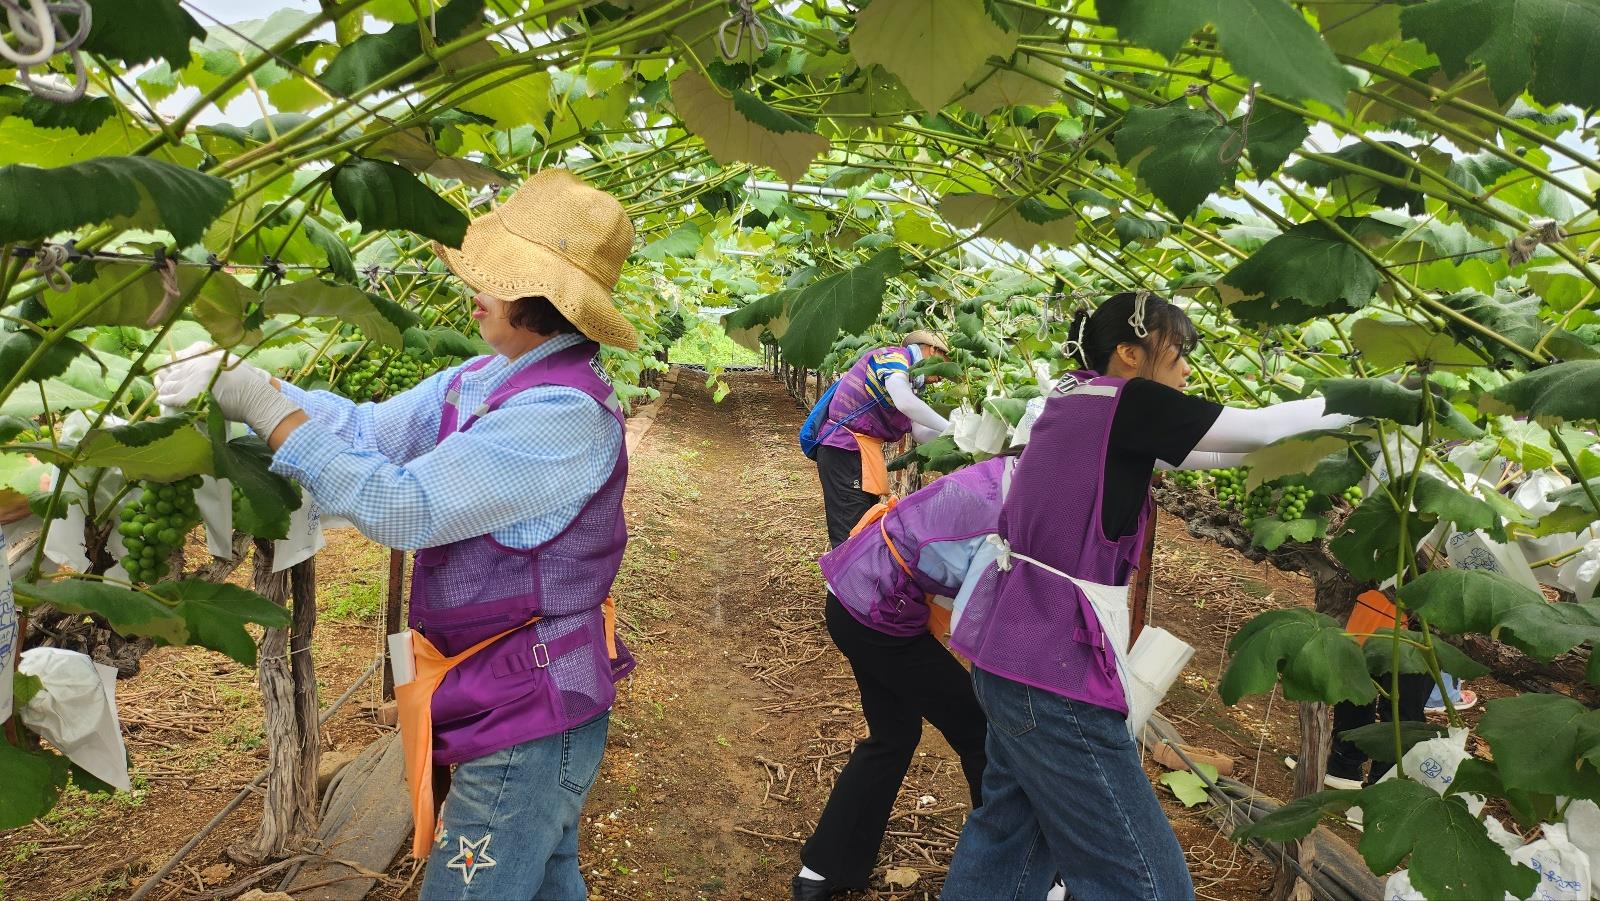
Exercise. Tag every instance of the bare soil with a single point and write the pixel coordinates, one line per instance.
(726, 740)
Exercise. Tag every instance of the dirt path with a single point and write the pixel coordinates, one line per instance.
(726, 741)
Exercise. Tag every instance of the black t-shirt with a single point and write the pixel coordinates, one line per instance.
(1153, 422)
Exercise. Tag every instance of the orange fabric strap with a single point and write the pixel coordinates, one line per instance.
(893, 551)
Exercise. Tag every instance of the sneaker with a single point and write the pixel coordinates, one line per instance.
(1329, 780)
(1467, 701)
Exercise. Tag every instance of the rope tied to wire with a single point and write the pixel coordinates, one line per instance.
(50, 262)
(1140, 298)
(1540, 231)
(40, 34)
(745, 23)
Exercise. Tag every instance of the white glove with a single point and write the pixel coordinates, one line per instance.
(243, 392)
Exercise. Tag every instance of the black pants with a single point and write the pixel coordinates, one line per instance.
(843, 501)
(903, 681)
(1345, 760)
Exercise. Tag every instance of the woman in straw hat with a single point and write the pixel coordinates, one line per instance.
(505, 475)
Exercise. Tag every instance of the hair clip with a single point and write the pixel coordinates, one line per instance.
(1137, 319)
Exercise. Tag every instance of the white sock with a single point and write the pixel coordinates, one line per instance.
(813, 875)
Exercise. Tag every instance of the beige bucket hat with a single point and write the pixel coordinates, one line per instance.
(923, 336)
(555, 237)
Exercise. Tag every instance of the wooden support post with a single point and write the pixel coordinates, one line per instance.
(391, 615)
(283, 829)
(1316, 732)
(303, 589)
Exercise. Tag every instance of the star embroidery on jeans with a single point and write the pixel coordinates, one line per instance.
(472, 857)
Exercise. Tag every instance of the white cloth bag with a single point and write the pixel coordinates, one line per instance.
(76, 711)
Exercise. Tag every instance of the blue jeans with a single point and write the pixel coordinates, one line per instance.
(1063, 793)
(509, 829)
(1452, 683)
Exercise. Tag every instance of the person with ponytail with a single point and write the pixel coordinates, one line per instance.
(1046, 631)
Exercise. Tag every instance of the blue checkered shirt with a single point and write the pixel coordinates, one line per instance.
(521, 473)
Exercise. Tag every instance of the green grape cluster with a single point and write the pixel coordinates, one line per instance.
(154, 525)
(1293, 505)
(1230, 486)
(1185, 478)
(373, 379)
(1353, 495)
(1258, 504)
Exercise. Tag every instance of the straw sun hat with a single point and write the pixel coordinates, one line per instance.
(558, 238)
(923, 336)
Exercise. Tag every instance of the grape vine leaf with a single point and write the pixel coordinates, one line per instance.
(932, 46)
(176, 455)
(1305, 272)
(385, 196)
(83, 116)
(1544, 743)
(131, 190)
(1545, 46)
(1376, 740)
(1270, 532)
(1267, 40)
(374, 57)
(1440, 500)
(1380, 656)
(379, 318)
(33, 779)
(267, 499)
(1317, 660)
(1368, 546)
(137, 31)
(684, 241)
(18, 347)
(1392, 344)
(1452, 856)
(1482, 777)
(128, 612)
(1033, 82)
(441, 341)
(1294, 454)
(217, 299)
(743, 129)
(848, 300)
(1296, 819)
(1188, 787)
(1372, 399)
(1387, 158)
(1353, 27)
(1024, 222)
(1183, 154)
(216, 614)
(1459, 601)
(1177, 151)
(1546, 631)
(1550, 395)
(764, 315)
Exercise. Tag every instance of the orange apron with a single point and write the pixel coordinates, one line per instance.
(414, 700)
(874, 471)
(1373, 611)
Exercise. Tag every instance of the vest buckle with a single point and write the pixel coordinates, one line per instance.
(541, 655)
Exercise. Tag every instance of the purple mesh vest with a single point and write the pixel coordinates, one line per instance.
(935, 530)
(1030, 625)
(555, 674)
(877, 416)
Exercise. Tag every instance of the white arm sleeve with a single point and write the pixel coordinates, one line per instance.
(1239, 431)
(907, 402)
(1204, 460)
(922, 434)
